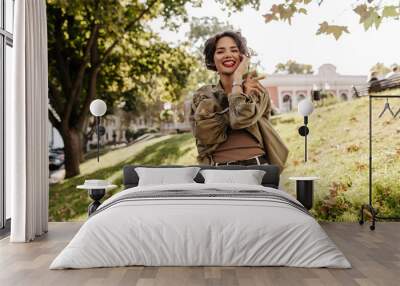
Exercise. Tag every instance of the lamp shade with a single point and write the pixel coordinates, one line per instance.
(98, 107)
(305, 107)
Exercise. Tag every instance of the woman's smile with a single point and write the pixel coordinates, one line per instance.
(229, 63)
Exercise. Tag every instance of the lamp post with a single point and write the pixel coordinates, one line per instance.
(305, 108)
(98, 108)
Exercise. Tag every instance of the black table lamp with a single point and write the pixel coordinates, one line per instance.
(305, 108)
(98, 108)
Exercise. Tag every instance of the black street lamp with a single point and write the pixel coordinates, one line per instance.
(305, 108)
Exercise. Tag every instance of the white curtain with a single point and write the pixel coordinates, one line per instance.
(27, 157)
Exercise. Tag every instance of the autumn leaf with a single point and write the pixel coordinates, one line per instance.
(362, 11)
(269, 17)
(335, 30)
(390, 11)
(303, 11)
(368, 22)
(376, 19)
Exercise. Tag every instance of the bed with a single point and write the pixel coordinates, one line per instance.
(198, 224)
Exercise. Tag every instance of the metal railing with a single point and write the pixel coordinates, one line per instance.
(378, 85)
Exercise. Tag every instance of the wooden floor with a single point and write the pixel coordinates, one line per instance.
(375, 256)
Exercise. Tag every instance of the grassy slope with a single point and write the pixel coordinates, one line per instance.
(338, 154)
(68, 203)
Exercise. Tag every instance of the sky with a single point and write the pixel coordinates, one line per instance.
(275, 42)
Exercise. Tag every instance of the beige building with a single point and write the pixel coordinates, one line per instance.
(286, 90)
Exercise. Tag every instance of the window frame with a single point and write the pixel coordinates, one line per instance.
(6, 39)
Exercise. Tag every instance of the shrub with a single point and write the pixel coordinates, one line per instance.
(387, 200)
(335, 204)
(352, 148)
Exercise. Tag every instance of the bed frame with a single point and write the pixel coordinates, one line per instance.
(270, 179)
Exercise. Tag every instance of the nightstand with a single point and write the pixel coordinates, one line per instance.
(305, 190)
(96, 193)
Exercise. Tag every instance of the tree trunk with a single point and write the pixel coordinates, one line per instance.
(84, 139)
(82, 149)
(72, 147)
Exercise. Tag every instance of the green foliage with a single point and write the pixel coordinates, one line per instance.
(292, 67)
(134, 67)
(166, 115)
(387, 199)
(238, 5)
(134, 134)
(106, 49)
(380, 69)
(203, 28)
(335, 203)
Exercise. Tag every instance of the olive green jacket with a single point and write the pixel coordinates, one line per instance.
(213, 112)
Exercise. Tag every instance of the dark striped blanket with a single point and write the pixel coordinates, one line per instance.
(206, 194)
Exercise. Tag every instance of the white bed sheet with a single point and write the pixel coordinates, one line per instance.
(202, 232)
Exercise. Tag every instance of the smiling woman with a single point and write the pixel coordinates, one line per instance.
(230, 119)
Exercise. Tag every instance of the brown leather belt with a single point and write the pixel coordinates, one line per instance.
(259, 160)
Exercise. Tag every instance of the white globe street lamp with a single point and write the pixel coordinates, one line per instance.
(305, 108)
(98, 108)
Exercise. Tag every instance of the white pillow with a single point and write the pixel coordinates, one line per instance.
(249, 177)
(164, 176)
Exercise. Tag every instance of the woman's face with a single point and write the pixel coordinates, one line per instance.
(226, 56)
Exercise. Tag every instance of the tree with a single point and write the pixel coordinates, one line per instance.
(203, 28)
(370, 13)
(380, 69)
(292, 67)
(103, 47)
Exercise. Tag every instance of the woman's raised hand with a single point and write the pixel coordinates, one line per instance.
(242, 68)
(252, 84)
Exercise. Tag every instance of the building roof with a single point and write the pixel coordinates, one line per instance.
(326, 74)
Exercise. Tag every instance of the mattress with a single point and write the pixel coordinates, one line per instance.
(201, 225)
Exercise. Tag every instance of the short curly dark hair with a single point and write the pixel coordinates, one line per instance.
(211, 44)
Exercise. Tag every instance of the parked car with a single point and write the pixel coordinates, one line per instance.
(56, 159)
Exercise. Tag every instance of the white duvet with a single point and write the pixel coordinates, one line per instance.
(200, 231)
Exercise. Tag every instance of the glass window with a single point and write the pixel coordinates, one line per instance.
(9, 15)
(6, 66)
(9, 61)
(2, 195)
(1, 16)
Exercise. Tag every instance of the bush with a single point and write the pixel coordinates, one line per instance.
(335, 204)
(387, 200)
(133, 135)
